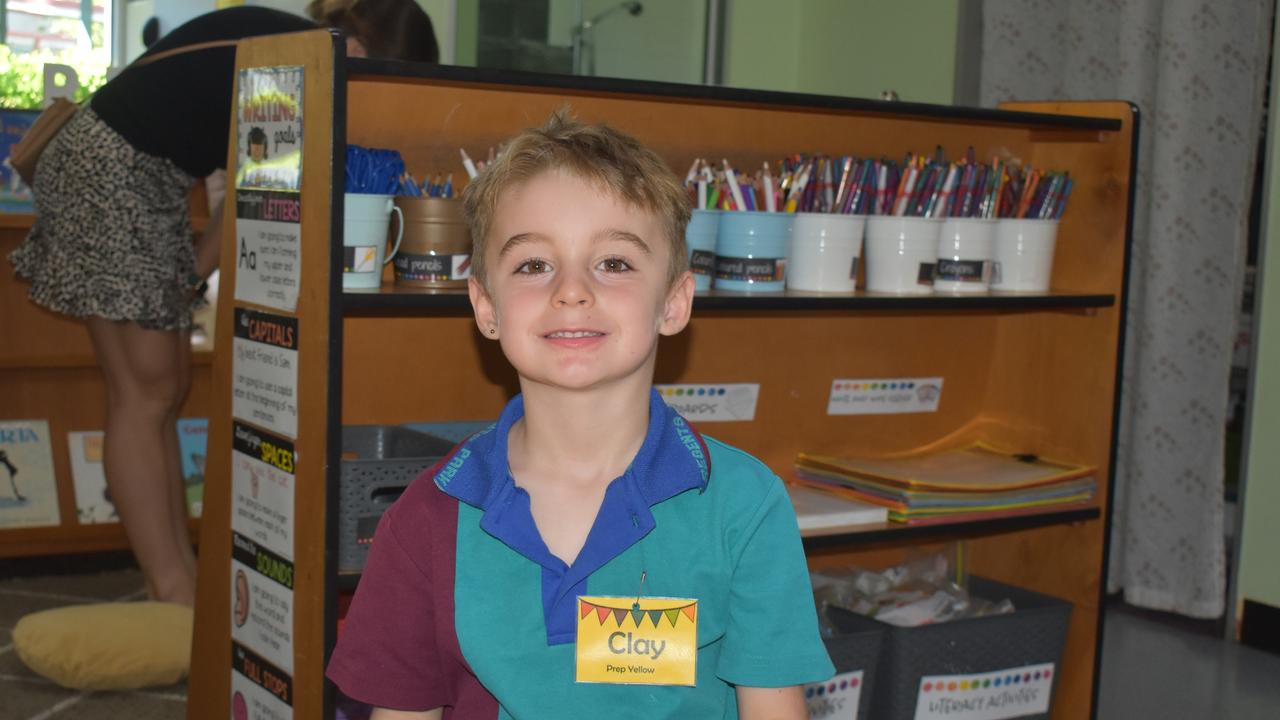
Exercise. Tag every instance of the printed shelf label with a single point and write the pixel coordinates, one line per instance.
(268, 248)
(835, 699)
(268, 177)
(1011, 693)
(730, 402)
(884, 396)
(259, 689)
(264, 371)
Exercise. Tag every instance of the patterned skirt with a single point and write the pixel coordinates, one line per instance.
(112, 236)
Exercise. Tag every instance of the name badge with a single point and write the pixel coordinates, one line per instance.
(650, 641)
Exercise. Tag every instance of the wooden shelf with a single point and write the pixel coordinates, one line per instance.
(72, 538)
(48, 371)
(25, 221)
(365, 69)
(900, 532)
(199, 358)
(891, 532)
(1036, 371)
(17, 221)
(402, 299)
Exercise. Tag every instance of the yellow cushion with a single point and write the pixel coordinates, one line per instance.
(109, 646)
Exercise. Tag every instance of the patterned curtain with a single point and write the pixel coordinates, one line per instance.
(1196, 70)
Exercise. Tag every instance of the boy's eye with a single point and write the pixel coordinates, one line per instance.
(532, 266)
(615, 265)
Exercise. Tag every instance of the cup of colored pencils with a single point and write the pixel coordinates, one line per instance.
(1030, 207)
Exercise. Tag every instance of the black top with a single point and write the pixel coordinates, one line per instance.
(180, 107)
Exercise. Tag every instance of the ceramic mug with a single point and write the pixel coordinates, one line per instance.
(364, 238)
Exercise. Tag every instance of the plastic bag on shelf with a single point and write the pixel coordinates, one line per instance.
(921, 591)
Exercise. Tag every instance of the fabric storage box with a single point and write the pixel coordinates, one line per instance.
(855, 655)
(378, 463)
(1001, 666)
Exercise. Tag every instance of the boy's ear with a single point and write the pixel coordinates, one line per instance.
(482, 306)
(679, 305)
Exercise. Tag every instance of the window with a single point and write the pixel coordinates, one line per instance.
(67, 32)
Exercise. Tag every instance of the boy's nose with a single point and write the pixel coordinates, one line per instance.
(573, 289)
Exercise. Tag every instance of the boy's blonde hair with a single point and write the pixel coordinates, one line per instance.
(614, 162)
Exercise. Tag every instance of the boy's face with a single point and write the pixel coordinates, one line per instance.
(577, 285)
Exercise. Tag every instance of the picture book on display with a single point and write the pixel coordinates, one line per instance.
(28, 490)
(93, 501)
(93, 498)
(193, 440)
(15, 196)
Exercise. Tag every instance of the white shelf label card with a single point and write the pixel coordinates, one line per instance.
(264, 371)
(835, 699)
(884, 396)
(262, 488)
(268, 176)
(262, 602)
(729, 402)
(1011, 693)
(259, 690)
(268, 248)
(262, 573)
(269, 128)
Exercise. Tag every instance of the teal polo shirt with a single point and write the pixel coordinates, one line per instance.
(694, 517)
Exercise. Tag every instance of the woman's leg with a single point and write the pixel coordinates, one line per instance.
(173, 453)
(145, 374)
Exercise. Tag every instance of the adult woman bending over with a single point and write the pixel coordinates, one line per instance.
(112, 242)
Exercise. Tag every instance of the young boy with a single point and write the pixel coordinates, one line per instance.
(590, 555)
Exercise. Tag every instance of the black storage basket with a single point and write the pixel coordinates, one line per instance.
(1033, 634)
(383, 460)
(857, 650)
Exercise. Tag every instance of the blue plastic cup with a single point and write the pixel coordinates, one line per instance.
(751, 251)
(700, 237)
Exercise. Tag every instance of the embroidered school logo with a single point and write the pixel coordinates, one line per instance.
(446, 474)
(690, 442)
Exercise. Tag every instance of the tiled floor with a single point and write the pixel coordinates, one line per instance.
(26, 696)
(1154, 666)
(1159, 666)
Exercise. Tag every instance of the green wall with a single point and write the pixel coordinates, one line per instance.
(1259, 572)
(853, 48)
(665, 42)
(437, 10)
(835, 47)
(762, 45)
(468, 28)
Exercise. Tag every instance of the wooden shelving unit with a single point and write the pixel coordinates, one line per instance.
(399, 298)
(1037, 372)
(48, 371)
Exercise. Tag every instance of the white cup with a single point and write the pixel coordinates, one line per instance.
(964, 255)
(365, 220)
(824, 252)
(901, 252)
(1023, 255)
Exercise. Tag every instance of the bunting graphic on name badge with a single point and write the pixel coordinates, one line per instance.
(631, 615)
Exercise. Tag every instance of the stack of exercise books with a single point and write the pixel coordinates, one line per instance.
(977, 482)
(820, 510)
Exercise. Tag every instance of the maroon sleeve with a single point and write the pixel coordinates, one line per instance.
(388, 654)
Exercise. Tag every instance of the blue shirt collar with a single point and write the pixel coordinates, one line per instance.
(672, 459)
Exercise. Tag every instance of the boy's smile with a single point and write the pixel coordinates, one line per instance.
(577, 284)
